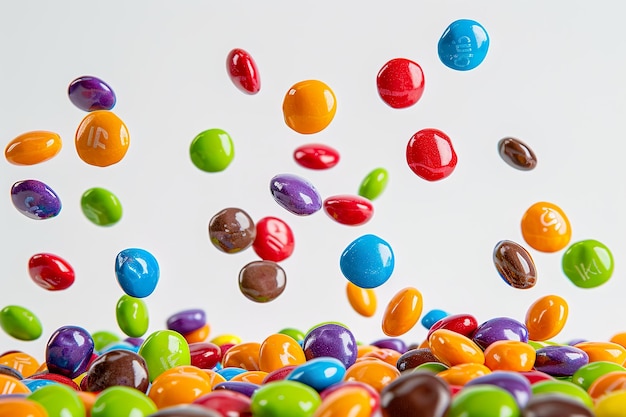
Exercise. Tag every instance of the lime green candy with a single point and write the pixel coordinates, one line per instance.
(285, 398)
(20, 323)
(118, 401)
(433, 367)
(295, 334)
(101, 206)
(103, 338)
(374, 184)
(588, 263)
(163, 350)
(587, 374)
(539, 345)
(212, 150)
(59, 401)
(132, 316)
(483, 401)
(562, 387)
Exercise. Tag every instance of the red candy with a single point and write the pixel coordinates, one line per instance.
(50, 272)
(430, 154)
(350, 210)
(243, 72)
(226, 402)
(400, 83)
(61, 379)
(205, 355)
(274, 239)
(316, 156)
(464, 324)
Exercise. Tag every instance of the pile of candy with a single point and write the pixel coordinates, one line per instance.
(501, 367)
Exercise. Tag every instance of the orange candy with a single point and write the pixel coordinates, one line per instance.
(362, 300)
(545, 227)
(510, 355)
(179, 385)
(32, 148)
(88, 399)
(12, 385)
(279, 350)
(619, 338)
(22, 362)
(386, 355)
(463, 373)
(603, 351)
(214, 377)
(348, 401)
(609, 382)
(362, 350)
(21, 407)
(402, 312)
(453, 348)
(253, 377)
(198, 335)
(243, 355)
(546, 317)
(309, 106)
(372, 371)
(102, 139)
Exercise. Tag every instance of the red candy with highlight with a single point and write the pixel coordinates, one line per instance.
(430, 155)
(350, 210)
(50, 272)
(274, 239)
(316, 156)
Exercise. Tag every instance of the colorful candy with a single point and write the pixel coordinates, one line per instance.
(432, 317)
(517, 154)
(101, 206)
(309, 106)
(374, 183)
(319, 373)
(349, 209)
(367, 262)
(212, 150)
(280, 350)
(232, 230)
(123, 401)
(422, 391)
(59, 400)
(35, 200)
(69, 351)
(163, 350)
(556, 405)
(588, 263)
(463, 45)
(515, 265)
(90, 93)
(483, 401)
(430, 154)
(278, 398)
(295, 194)
(453, 348)
(243, 71)
(332, 340)
(186, 321)
(560, 360)
(316, 156)
(118, 368)
(132, 316)
(362, 300)
(32, 148)
(102, 139)
(20, 323)
(499, 328)
(546, 317)
(137, 272)
(545, 227)
(262, 281)
(400, 83)
(274, 239)
(50, 271)
(402, 312)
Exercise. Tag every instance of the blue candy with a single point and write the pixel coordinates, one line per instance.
(463, 45)
(367, 262)
(34, 384)
(137, 272)
(432, 317)
(319, 373)
(230, 372)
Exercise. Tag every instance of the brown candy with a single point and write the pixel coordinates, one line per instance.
(262, 281)
(118, 367)
(517, 154)
(515, 265)
(414, 358)
(232, 230)
(415, 394)
(555, 405)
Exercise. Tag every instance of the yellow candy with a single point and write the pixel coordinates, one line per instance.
(278, 351)
(226, 339)
(402, 312)
(463, 373)
(102, 139)
(32, 148)
(546, 317)
(309, 106)
(611, 405)
(362, 300)
(510, 355)
(453, 348)
(603, 351)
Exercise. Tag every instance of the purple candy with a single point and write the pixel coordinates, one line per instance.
(245, 388)
(69, 351)
(135, 341)
(187, 321)
(514, 383)
(500, 328)
(35, 200)
(91, 93)
(391, 343)
(560, 360)
(295, 194)
(331, 340)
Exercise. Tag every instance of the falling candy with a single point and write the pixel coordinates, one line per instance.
(545, 227)
(101, 206)
(32, 148)
(367, 262)
(243, 71)
(463, 45)
(316, 156)
(402, 312)
(430, 155)
(35, 200)
(348, 209)
(212, 150)
(362, 300)
(274, 239)
(132, 316)
(309, 106)
(137, 272)
(515, 265)
(232, 230)
(295, 194)
(546, 317)
(432, 317)
(262, 281)
(90, 93)
(588, 263)
(400, 83)
(374, 184)
(517, 154)
(102, 139)
(50, 271)
(20, 323)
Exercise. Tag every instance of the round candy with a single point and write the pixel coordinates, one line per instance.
(204, 355)
(295, 334)
(212, 150)
(413, 358)
(137, 272)
(243, 71)
(274, 239)
(245, 388)
(282, 398)
(186, 321)
(514, 383)
(331, 340)
(102, 139)
(20, 323)
(179, 385)
(464, 324)
(32, 148)
(232, 230)
(101, 207)
(319, 373)
(415, 393)
(546, 317)
(90, 93)
(400, 83)
(186, 410)
(59, 400)
(517, 154)
(22, 362)
(50, 272)
(17, 406)
(483, 401)
(463, 45)
(280, 350)
(103, 338)
(606, 383)
(309, 106)
(69, 351)
(374, 183)
(556, 405)
(430, 154)
(35, 200)
(316, 156)
(565, 388)
(225, 403)
(262, 281)
(132, 316)
(392, 343)
(242, 355)
(350, 401)
(560, 361)
(348, 209)
(402, 312)
(515, 265)
(118, 368)
(362, 300)
(367, 262)
(603, 351)
(588, 263)
(499, 328)
(163, 350)
(373, 372)
(295, 194)
(545, 227)
(432, 317)
(122, 401)
(587, 374)
(510, 355)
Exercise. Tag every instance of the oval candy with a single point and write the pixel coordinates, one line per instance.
(163, 350)
(560, 361)
(90, 93)
(20, 323)
(545, 227)
(309, 106)
(50, 271)
(517, 154)
(280, 350)
(430, 155)
(59, 400)
(416, 393)
(514, 383)
(277, 398)
(123, 401)
(464, 324)
(132, 316)
(484, 401)
(274, 239)
(362, 300)
(515, 265)
(463, 45)
(118, 367)
(546, 317)
(186, 321)
(452, 348)
(101, 206)
(318, 373)
(316, 156)
(212, 150)
(402, 312)
(367, 262)
(32, 148)
(432, 317)
(556, 405)
(499, 328)
(348, 209)
(243, 71)
(588, 263)
(331, 340)
(374, 184)
(137, 272)
(69, 351)
(295, 194)
(400, 83)
(102, 139)
(262, 281)
(232, 230)
(204, 355)
(35, 200)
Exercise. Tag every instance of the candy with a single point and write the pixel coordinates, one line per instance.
(331, 340)
(587, 374)
(50, 272)
(279, 350)
(285, 397)
(556, 405)
(417, 393)
(204, 355)
(560, 360)
(611, 405)
(90, 93)
(318, 373)
(373, 372)
(309, 106)
(588, 263)
(295, 334)
(562, 387)
(118, 368)
(32, 148)
(274, 239)
(198, 335)
(132, 316)
(101, 207)
(604, 351)
(35, 200)
(463, 45)
(22, 362)
(362, 300)
(515, 265)
(483, 401)
(122, 401)
(546, 317)
(243, 71)
(232, 230)
(545, 227)
(400, 83)
(348, 209)
(102, 139)
(510, 355)
(179, 385)
(186, 321)
(402, 312)
(295, 194)
(389, 356)
(59, 400)
(517, 154)
(137, 272)
(186, 410)
(604, 384)
(432, 317)
(367, 262)
(316, 156)
(103, 338)
(225, 403)
(69, 351)
(243, 355)
(11, 385)
(262, 281)
(464, 324)
(512, 382)
(250, 377)
(430, 155)
(7, 370)
(374, 183)
(453, 348)
(499, 328)
(413, 358)
(163, 350)
(348, 401)
(15, 406)
(20, 323)
(212, 150)
(459, 375)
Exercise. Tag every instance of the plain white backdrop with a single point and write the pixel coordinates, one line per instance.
(553, 77)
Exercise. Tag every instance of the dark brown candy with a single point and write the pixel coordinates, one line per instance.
(415, 357)
(262, 281)
(415, 394)
(515, 265)
(118, 367)
(517, 154)
(232, 230)
(555, 405)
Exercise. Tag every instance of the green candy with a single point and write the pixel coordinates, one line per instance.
(587, 374)
(101, 206)
(122, 401)
(295, 334)
(132, 316)
(539, 345)
(562, 387)
(374, 184)
(163, 350)
(285, 398)
(432, 367)
(59, 401)
(20, 323)
(483, 401)
(212, 150)
(588, 263)
(103, 338)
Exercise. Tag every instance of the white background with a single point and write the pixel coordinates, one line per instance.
(554, 77)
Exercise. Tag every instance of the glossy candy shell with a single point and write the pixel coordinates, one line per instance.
(348, 209)
(402, 312)
(316, 156)
(362, 300)
(243, 72)
(309, 106)
(463, 45)
(50, 271)
(517, 154)
(101, 206)
(374, 184)
(545, 227)
(212, 150)
(588, 263)
(400, 83)
(102, 139)
(32, 148)
(430, 155)
(35, 200)
(295, 194)
(367, 262)
(20, 323)
(274, 239)
(137, 272)
(90, 93)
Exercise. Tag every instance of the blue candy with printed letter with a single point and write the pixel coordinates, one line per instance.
(463, 45)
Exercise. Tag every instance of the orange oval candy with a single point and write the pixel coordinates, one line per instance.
(22, 362)
(619, 338)
(609, 382)
(510, 355)
(252, 377)
(372, 371)
(12, 385)
(452, 348)
(214, 377)
(545, 227)
(279, 350)
(603, 351)
(362, 350)
(243, 355)
(21, 407)
(402, 312)
(102, 138)
(348, 401)
(463, 373)
(362, 300)
(32, 148)
(198, 335)
(179, 385)
(386, 355)
(546, 317)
